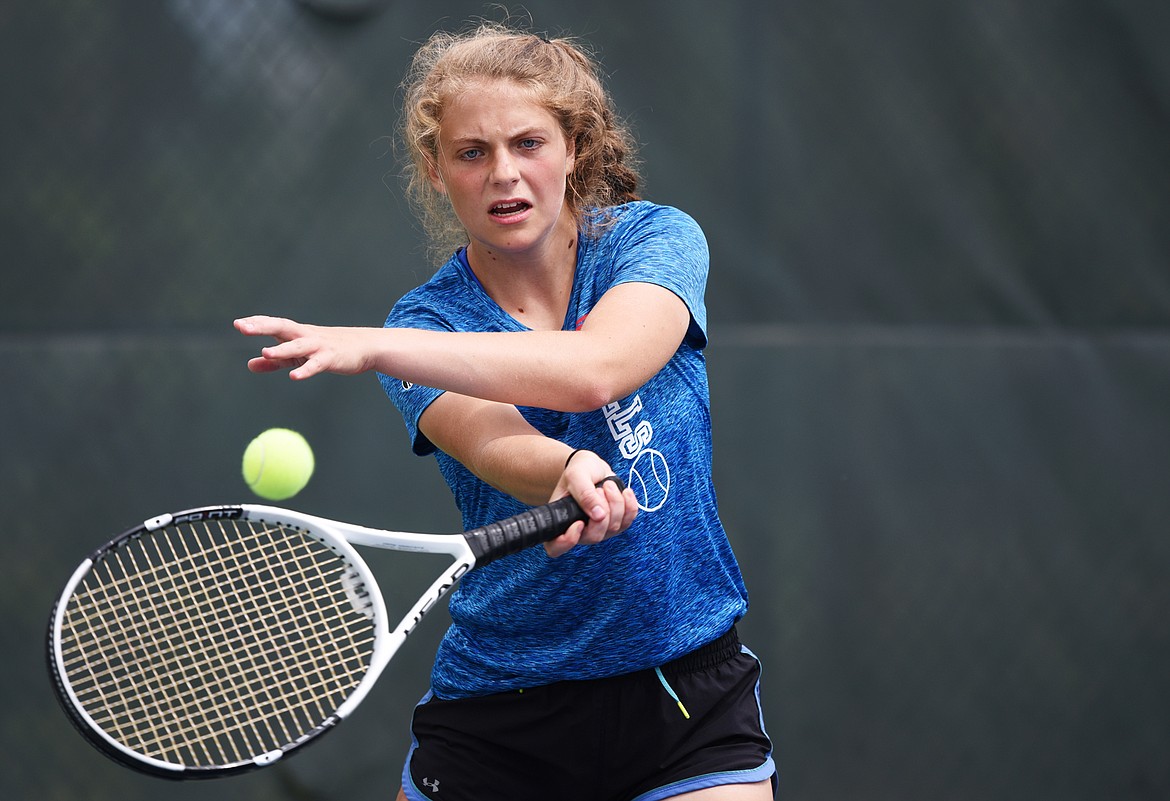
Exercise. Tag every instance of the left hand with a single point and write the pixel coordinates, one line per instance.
(306, 350)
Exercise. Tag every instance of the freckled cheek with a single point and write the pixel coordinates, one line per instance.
(552, 183)
(462, 192)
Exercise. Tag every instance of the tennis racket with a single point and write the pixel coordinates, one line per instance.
(220, 639)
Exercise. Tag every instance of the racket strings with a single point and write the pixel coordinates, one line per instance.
(260, 635)
(158, 697)
(264, 698)
(253, 635)
(211, 643)
(219, 636)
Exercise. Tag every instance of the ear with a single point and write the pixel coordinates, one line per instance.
(436, 178)
(570, 157)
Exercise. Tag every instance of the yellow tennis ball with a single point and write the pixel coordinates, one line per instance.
(278, 464)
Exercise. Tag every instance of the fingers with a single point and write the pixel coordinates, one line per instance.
(607, 519)
(299, 369)
(292, 353)
(613, 507)
(609, 509)
(304, 350)
(260, 364)
(629, 508)
(265, 325)
(273, 358)
(566, 542)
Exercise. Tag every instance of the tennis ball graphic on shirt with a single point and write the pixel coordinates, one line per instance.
(650, 479)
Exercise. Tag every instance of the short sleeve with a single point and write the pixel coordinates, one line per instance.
(664, 246)
(412, 399)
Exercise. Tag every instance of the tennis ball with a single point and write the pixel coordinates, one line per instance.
(278, 464)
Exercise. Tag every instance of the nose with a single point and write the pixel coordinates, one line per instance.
(504, 169)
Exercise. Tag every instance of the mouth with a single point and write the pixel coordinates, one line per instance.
(509, 208)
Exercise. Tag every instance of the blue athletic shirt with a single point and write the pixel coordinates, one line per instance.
(668, 584)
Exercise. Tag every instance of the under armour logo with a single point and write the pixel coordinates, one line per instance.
(431, 784)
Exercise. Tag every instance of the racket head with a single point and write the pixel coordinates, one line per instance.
(216, 640)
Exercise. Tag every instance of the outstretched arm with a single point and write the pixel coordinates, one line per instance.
(629, 336)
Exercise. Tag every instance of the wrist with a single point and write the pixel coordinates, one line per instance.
(572, 454)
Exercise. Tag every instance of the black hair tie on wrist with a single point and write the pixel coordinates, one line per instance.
(571, 455)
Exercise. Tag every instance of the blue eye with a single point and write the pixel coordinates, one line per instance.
(529, 144)
(470, 154)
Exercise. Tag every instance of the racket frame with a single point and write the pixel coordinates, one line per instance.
(467, 550)
(339, 536)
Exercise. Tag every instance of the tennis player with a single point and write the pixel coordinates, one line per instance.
(562, 342)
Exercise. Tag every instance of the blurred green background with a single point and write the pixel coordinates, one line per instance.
(940, 351)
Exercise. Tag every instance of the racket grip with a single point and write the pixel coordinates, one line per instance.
(531, 527)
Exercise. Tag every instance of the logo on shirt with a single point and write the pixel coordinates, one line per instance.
(649, 475)
(650, 478)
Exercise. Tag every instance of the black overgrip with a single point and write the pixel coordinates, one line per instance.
(530, 527)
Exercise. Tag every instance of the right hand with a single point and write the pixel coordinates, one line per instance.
(610, 510)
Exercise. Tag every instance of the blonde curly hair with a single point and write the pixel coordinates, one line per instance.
(566, 80)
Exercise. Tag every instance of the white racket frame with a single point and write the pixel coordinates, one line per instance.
(341, 537)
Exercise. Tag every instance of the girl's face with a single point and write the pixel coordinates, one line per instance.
(503, 164)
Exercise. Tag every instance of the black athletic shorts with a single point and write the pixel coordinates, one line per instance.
(691, 724)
